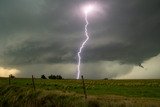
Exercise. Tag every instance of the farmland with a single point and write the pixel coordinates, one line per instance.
(112, 93)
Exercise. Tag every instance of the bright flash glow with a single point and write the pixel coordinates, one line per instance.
(87, 10)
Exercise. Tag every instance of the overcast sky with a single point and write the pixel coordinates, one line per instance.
(43, 37)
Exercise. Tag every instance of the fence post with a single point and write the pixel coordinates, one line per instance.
(9, 78)
(33, 83)
(84, 88)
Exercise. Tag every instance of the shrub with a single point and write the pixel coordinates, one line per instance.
(55, 77)
(43, 77)
(12, 76)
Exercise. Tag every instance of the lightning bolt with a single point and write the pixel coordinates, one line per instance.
(82, 45)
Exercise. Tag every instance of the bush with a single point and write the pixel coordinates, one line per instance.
(55, 77)
(58, 77)
(12, 76)
(105, 78)
(43, 77)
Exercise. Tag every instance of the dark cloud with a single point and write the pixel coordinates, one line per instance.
(136, 24)
(32, 52)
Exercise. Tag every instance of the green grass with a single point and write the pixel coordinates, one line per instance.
(100, 92)
(132, 88)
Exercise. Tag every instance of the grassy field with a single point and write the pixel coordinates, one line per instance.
(61, 93)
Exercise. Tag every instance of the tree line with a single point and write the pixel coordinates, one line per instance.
(43, 76)
(52, 77)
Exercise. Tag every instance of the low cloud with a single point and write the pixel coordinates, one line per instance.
(151, 70)
(99, 70)
(5, 72)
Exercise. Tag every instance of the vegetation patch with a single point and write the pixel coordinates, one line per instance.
(69, 93)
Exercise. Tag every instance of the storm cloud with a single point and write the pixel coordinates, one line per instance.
(46, 34)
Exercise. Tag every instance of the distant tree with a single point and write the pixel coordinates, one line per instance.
(55, 77)
(43, 77)
(58, 77)
(52, 77)
(105, 78)
(12, 76)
